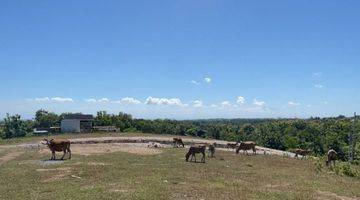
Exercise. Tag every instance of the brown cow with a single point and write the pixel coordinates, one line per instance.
(58, 145)
(247, 146)
(212, 150)
(232, 145)
(194, 150)
(177, 142)
(331, 157)
(301, 152)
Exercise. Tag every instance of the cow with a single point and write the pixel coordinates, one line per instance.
(301, 152)
(232, 145)
(58, 145)
(246, 146)
(331, 157)
(194, 150)
(212, 150)
(177, 142)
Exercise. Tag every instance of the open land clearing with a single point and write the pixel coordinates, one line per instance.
(127, 168)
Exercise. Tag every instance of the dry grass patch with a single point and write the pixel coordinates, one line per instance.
(10, 156)
(322, 195)
(91, 149)
(54, 174)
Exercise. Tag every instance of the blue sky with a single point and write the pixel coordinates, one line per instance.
(181, 59)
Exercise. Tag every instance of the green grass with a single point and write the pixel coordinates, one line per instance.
(168, 176)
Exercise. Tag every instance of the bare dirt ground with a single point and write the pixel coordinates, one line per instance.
(101, 148)
(137, 145)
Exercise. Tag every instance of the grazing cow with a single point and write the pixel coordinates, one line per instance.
(247, 146)
(301, 152)
(58, 145)
(177, 142)
(212, 150)
(331, 157)
(194, 150)
(232, 145)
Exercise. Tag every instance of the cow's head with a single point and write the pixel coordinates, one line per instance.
(48, 141)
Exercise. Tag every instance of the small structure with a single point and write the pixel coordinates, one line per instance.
(76, 123)
(41, 131)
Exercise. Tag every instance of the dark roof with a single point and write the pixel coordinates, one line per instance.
(79, 116)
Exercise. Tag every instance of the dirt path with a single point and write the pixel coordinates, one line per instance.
(168, 141)
(137, 145)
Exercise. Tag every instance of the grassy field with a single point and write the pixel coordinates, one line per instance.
(167, 176)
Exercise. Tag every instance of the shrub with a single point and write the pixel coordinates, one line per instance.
(346, 169)
(14, 127)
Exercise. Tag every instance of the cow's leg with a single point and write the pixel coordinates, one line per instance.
(64, 152)
(53, 155)
(203, 158)
(69, 151)
(195, 157)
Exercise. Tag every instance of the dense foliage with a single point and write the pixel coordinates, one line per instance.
(316, 134)
(13, 126)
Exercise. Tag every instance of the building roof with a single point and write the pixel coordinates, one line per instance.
(79, 116)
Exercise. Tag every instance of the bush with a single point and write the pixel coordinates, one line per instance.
(346, 169)
(2, 133)
(131, 130)
(15, 127)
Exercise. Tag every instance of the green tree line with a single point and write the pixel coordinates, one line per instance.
(316, 134)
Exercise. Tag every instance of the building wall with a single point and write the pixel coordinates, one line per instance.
(70, 126)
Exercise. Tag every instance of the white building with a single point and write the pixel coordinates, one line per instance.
(76, 123)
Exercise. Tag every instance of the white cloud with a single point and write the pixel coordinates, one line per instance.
(317, 74)
(240, 100)
(102, 100)
(319, 86)
(291, 103)
(53, 99)
(164, 101)
(62, 99)
(91, 100)
(197, 103)
(259, 103)
(225, 104)
(207, 79)
(309, 106)
(128, 101)
(194, 82)
(213, 105)
(42, 99)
